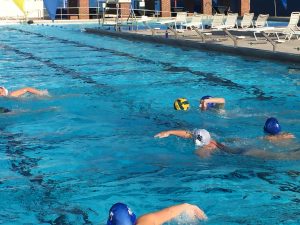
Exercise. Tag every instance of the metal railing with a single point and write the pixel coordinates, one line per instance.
(74, 13)
(132, 17)
(94, 12)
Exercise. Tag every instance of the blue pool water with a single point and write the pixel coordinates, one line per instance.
(67, 158)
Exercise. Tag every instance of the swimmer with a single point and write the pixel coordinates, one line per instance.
(120, 214)
(273, 130)
(207, 102)
(4, 110)
(7, 111)
(4, 92)
(206, 146)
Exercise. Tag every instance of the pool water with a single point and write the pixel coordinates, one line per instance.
(67, 158)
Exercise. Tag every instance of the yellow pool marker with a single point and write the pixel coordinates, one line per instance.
(20, 4)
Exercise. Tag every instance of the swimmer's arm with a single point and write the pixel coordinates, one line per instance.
(178, 133)
(204, 102)
(279, 137)
(23, 91)
(167, 214)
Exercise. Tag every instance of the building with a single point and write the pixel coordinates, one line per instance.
(87, 9)
(167, 6)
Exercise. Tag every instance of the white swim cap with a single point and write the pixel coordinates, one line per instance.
(201, 137)
(5, 90)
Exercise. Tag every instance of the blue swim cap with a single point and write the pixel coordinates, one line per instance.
(120, 214)
(209, 105)
(272, 126)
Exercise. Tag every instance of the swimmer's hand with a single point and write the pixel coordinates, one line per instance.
(194, 212)
(162, 134)
(44, 93)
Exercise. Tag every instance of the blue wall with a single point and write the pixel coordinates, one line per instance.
(259, 6)
(267, 7)
(293, 6)
(234, 6)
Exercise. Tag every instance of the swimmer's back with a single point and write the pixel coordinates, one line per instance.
(231, 150)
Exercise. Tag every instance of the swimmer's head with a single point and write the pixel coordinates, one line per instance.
(181, 104)
(201, 137)
(272, 126)
(3, 91)
(4, 110)
(209, 105)
(120, 214)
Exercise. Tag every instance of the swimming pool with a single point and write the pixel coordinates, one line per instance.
(66, 159)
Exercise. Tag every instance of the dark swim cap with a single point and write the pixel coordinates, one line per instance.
(272, 126)
(120, 214)
(4, 110)
(209, 105)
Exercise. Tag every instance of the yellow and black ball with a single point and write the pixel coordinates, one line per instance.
(181, 104)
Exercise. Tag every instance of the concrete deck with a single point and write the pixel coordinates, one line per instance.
(288, 52)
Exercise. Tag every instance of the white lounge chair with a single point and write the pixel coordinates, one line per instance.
(296, 33)
(261, 21)
(181, 18)
(231, 22)
(218, 20)
(247, 20)
(195, 22)
(261, 25)
(145, 20)
(290, 30)
(293, 23)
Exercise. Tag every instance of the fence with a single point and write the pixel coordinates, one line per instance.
(96, 12)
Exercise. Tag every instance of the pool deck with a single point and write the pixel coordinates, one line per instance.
(246, 45)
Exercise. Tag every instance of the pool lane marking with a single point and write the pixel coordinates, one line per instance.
(208, 77)
(168, 66)
(74, 74)
(103, 89)
(23, 165)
